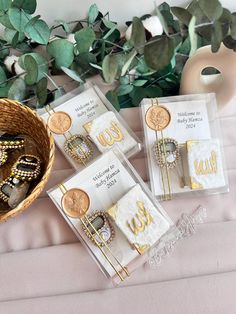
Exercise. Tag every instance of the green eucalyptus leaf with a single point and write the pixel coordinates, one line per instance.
(233, 26)
(109, 24)
(60, 91)
(185, 47)
(17, 90)
(114, 36)
(128, 63)
(138, 93)
(38, 31)
(24, 47)
(124, 80)
(41, 91)
(31, 67)
(113, 98)
(4, 51)
(18, 38)
(139, 82)
(93, 13)
(195, 9)
(230, 43)
(5, 4)
(64, 25)
(63, 52)
(138, 36)
(5, 21)
(4, 90)
(13, 37)
(211, 8)
(3, 78)
(216, 37)
(124, 90)
(73, 74)
(35, 66)
(169, 22)
(142, 67)
(225, 20)
(110, 68)
(18, 18)
(109, 33)
(192, 35)
(29, 6)
(162, 20)
(159, 52)
(84, 39)
(9, 34)
(182, 14)
(83, 61)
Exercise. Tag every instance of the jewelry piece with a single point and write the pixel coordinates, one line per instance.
(26, 168)
(99, 222)
(6, 188)
(76, 146)
(59, 122)
(3, 157)
(157, 117)
(79, 148)
(75, 203)
(166, 152)
(9, 141)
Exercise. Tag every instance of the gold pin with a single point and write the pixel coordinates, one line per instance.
(78, 198)
(77, 146)
(158, 118)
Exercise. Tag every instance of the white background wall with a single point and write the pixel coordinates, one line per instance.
(120, 10)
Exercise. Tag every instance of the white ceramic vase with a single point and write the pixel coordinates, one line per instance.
(223, 84)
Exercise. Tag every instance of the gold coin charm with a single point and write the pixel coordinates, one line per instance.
(157, 118)
(75, 203)
(59, 122)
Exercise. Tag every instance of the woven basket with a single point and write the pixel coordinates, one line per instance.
(16, 118)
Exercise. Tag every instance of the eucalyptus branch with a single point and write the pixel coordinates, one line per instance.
(152, 63)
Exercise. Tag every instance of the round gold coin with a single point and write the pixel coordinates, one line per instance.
(75, 203)
(157, 118)
(59, 122)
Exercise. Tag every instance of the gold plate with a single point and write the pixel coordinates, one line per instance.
(157, 117)
(75, 203)
(59, 122)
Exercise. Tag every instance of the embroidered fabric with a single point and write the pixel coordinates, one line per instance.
(185, 227)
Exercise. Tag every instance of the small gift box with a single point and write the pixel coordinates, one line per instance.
(205, 164)
(83, 111)
(106, 131)
(138, 219)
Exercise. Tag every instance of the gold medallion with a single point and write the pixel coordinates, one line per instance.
(59, 122)
(157, 118)
(75, 203)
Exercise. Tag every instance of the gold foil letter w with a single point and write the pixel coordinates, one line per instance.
(207, 166)
(141, 220)
(111, 135)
